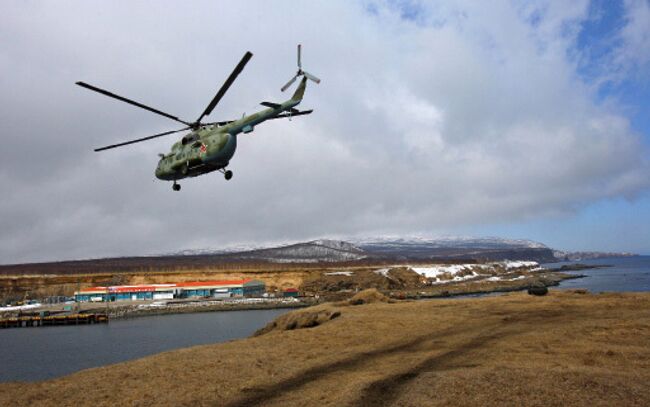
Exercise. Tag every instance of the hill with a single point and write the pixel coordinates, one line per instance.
(305, 253)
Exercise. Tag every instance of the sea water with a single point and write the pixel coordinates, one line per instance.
(623, 274)
(29, 354)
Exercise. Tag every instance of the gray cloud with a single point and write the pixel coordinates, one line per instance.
(467, 114)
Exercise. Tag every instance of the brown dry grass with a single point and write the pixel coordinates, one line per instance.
(561, 349)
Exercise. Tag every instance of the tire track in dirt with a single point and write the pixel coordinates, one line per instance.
(268, 393)
(375, 393)
(383, 392)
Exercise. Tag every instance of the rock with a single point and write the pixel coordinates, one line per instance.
(537, 289)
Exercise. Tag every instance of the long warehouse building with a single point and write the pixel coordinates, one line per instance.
(213, 289)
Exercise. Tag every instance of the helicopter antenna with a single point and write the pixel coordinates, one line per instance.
(300, 73)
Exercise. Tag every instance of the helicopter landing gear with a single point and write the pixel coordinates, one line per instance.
(176, 187)
(227, 174)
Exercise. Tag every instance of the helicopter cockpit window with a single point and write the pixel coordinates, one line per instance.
(188, 139)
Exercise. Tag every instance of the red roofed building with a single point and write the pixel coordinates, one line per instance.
(189, 289)
(291, 292)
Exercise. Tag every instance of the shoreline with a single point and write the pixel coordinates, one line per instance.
(121, 313)
(550, 279)
(473, 289)
(502, 290)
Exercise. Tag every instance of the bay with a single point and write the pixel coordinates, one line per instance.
(30, 354)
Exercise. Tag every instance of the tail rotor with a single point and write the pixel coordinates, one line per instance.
(300, 73)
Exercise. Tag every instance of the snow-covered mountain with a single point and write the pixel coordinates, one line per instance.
(388, 248)
(381, 249)
(399, 249)
(322, 250)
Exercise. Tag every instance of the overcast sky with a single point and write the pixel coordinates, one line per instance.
(517, 119)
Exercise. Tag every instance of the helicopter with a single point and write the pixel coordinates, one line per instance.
(210, 146)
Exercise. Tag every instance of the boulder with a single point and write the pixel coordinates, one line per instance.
(538, 289)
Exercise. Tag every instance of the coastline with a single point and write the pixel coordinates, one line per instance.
(470, 288)
(122, 311)
(129, 311)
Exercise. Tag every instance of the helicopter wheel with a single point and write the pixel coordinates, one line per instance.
(176, 187)
(227, 175)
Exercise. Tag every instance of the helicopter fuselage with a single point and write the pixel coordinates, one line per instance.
(211, 147)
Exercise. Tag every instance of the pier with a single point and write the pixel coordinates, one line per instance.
(53, 320)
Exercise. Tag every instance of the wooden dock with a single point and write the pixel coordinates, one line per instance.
(53, 320)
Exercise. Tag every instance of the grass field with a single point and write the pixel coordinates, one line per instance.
(562, 349)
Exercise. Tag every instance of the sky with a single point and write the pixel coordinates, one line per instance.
(516, 119)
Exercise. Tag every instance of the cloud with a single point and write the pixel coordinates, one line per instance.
(634, 52)
(427, 120)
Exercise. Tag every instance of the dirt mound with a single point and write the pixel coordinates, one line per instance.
(315, 316)
(368, 296)
(308, 318)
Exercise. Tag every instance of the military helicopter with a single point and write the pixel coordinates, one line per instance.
(209, 147)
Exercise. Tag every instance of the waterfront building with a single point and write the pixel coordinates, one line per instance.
(291, 292)
(191, 289)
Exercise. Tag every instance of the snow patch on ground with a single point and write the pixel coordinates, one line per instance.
(518, 264)
(340, 273)
(497, 278)
(383, 272)
(435, 271)
(457, 279)
(463, 272)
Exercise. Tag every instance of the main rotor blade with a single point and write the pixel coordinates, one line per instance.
(310, 76)
(222, 91)
(140, 139)
(129, 101)
(286, 86)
